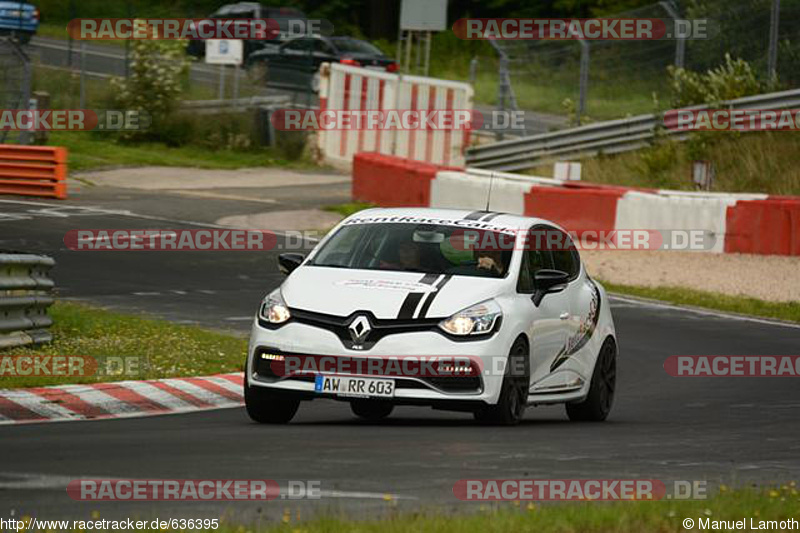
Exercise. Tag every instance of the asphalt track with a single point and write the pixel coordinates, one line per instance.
(720, 430)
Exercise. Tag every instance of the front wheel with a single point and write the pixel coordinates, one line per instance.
(597, 405)
(510, 407)
(269, 406)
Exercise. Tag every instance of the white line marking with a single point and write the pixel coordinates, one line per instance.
(226, 384)
(26, 481)
(101, 211)
(199, 392)
(159, 396)
(100, 399)
(703, 312)
(40, 405)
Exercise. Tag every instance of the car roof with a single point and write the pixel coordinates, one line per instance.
(492, 218)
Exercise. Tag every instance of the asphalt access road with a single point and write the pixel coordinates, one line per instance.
(734, 431)
(106, 61)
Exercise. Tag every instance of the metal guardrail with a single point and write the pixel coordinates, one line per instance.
(26, 292)
(215, 106)
(611, 137)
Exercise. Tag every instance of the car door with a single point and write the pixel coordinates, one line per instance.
(548, 324)
(578, 298)
(293, 64)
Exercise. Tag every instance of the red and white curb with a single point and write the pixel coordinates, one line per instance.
(121, 399)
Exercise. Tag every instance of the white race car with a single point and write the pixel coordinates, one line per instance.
(470, 311)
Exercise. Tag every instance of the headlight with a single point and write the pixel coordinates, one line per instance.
(475, 320)
(274, 309)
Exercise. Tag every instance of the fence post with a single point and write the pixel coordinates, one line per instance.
(83, 76)
(584, 83)
(774, 21)
(473, 70)
(680, 44)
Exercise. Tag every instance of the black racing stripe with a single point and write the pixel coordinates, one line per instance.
(475, 215)
(490, 216)
(432, 296)
(413, 298)
(429, 278)
(409, 305)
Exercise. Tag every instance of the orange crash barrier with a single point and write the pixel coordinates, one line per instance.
(33, 170)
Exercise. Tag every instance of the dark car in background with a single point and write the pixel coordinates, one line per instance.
(295, 64)
(19, 20)
(252, 10)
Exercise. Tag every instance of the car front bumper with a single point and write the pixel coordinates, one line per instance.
(489, 354)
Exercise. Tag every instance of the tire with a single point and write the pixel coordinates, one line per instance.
(510, 407)
(269, 406)
(598, 403)
(371, 410)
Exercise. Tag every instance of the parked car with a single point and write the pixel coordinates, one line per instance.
(251, 10)
(295, 64)
(19, 20)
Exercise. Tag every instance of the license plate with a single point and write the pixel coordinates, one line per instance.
(13, 14)
(355, 386)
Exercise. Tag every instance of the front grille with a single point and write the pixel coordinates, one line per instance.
(272, 370)
(380, 327)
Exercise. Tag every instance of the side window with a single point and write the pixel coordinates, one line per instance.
(565, 256)
(535, 257)
(299, 45)
(322, 47)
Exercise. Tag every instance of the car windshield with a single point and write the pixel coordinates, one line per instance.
(425, 248)
(354, 46)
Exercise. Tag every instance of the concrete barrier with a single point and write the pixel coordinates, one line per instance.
(737, 223)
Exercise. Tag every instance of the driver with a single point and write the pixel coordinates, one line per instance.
(491, 261)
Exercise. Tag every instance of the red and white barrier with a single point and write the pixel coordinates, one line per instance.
(738, 223)
(349, 88)
(121, 399)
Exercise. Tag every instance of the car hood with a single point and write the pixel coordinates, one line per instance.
(341, 292)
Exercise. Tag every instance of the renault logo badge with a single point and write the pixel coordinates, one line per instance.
(359, 329)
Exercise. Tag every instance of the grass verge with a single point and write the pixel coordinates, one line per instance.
(762, 162)
(90, 151)
(789, 311)
(761, 505)
(165, 349)
(348, 208)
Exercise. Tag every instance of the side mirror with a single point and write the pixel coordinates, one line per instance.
(548, 281)
(287, 263)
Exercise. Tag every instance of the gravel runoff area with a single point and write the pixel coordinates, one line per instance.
(766, 277)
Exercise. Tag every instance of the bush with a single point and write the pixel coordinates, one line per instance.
(154, 82)
(733, 79)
